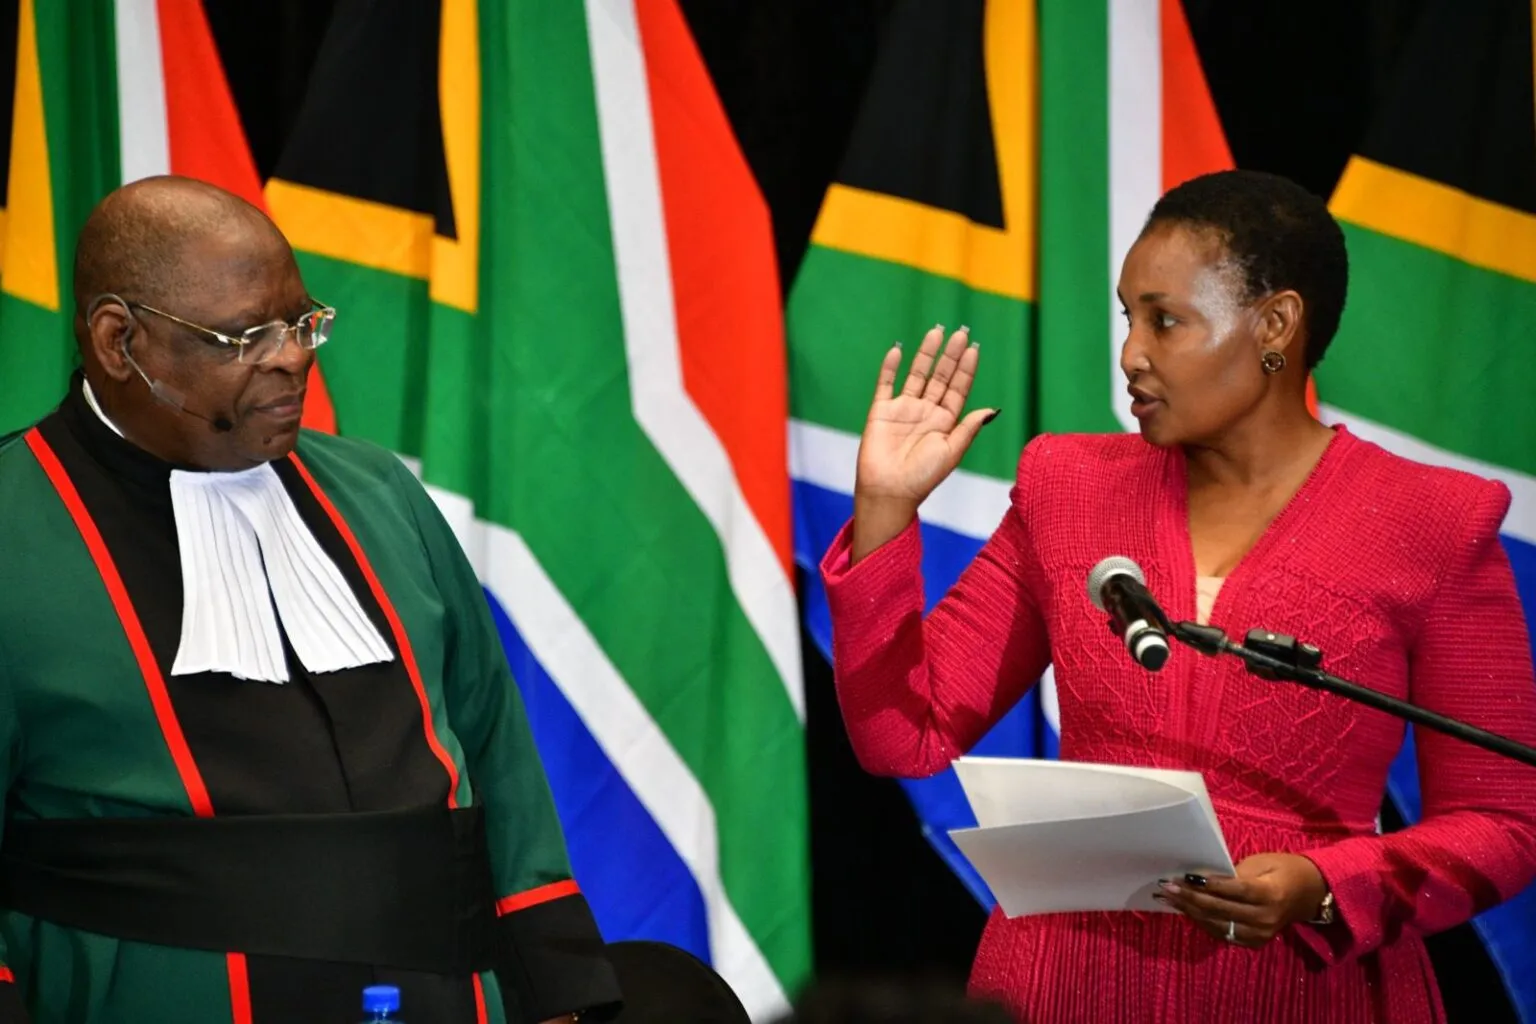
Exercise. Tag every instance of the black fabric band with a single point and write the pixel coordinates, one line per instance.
(407, 889)
(11, 1009)
(550, 961)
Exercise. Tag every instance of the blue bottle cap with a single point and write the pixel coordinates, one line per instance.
(381, 999)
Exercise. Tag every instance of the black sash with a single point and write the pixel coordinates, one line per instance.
(404, 889)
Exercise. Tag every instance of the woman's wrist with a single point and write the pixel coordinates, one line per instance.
(877, 521)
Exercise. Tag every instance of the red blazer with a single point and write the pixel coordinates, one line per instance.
(1392, 568)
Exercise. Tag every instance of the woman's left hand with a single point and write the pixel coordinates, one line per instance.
(1269, 892)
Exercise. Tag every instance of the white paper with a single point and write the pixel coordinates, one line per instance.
(1058, 836)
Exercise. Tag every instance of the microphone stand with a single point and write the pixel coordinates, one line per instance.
(1276, 656)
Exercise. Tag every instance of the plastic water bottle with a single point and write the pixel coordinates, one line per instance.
(381, 1002)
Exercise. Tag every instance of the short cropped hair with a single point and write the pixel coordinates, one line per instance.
(1278, 234)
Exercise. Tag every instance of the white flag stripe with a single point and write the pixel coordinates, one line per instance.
(143, 139)
(1135, 154)
(662, 405)
(631, 739)
(967, 503)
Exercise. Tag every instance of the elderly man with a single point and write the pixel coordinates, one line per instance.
(259, 743)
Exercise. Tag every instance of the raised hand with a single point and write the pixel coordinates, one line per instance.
(914, 438)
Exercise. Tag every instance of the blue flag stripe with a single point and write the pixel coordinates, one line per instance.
(647, 892)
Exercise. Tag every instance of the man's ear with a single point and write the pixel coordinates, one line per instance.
(110, 327)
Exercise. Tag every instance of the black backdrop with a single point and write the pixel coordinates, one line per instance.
(1294, 82)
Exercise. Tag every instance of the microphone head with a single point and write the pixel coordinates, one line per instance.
(1114, 565)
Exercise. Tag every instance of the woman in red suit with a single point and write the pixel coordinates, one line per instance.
(1244, 511)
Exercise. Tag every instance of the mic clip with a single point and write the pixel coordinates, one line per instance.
(1205, 639)
(1296, 653)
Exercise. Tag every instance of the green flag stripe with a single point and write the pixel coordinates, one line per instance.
(567, 467)
(598, 506)
(378, 352)
(1421, 341)
(847, 310)
(1075, 288)
(561, 643)
(78, 74)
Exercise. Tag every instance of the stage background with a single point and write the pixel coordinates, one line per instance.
(1295, 83)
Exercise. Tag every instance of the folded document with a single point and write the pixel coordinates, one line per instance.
(1056, 836)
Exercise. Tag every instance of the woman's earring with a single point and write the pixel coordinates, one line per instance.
(1272, 361)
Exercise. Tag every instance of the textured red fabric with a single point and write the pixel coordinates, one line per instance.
(1394, 569)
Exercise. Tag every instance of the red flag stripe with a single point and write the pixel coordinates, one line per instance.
(207, 140)
(1193, 142)
(725, 283)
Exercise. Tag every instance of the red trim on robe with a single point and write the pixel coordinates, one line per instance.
(239, 988)
(533, 897)
(154, 682)
(480, 1014)
(402, 641)
(6, 976)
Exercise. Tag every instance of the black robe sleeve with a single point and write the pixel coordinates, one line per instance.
(11, 1009)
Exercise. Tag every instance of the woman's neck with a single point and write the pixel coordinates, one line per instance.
(1259, 453)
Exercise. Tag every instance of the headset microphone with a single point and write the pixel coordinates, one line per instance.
(171, 397)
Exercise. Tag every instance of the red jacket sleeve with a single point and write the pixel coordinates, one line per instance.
(1476, 842)
(916, 693)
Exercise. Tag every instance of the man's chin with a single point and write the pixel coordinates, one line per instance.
(272, 444)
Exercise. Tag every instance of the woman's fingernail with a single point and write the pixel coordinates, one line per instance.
(964, 329)
(1195, 879)
(989, 417)
(1161, 898)
(937, 327)
(1170, 887)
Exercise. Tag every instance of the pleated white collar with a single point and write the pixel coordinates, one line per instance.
(244, 549)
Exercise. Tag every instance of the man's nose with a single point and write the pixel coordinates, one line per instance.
(290, 357)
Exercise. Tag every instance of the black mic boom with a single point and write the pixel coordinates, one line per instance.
(1116, 586)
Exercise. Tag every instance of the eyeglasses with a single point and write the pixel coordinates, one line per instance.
(258, 344)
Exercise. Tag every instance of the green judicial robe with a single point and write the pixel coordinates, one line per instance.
(94, 726)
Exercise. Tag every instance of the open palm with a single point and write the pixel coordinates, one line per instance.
(914, 438)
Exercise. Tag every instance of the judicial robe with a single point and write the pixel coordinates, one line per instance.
(95, 728)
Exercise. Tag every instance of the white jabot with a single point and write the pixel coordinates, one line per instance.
(244, 549)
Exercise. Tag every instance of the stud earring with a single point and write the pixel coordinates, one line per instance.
(1272, 361)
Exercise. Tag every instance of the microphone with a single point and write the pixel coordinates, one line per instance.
(173, 398)
(1117, 586)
